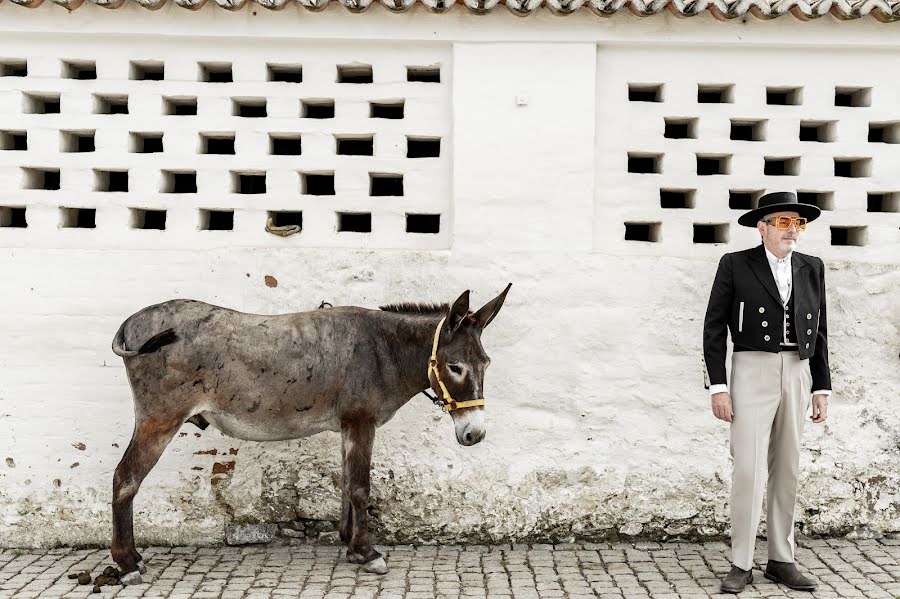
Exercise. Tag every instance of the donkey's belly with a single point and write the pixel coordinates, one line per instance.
(267, 428)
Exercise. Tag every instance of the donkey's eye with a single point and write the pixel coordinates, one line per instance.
(455, 369)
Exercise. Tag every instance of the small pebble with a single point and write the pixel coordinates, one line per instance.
(96, 589)
(84, 578)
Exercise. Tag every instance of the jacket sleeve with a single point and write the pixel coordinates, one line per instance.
(818, 362)
(715, 325)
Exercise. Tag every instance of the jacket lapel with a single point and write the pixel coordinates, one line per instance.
(763, 272)
(798, 274)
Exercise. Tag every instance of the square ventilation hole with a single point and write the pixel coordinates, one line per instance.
(849, 236)
(852, 167)
(77, 141)
(885, 133)
(784, 96)
(142, 218)
(105, 104)
(216, 220)
(853, 97)
(645, 92)
(710, 233)
(644, 163)
(354, 222)
(676, 198)
(424, 74)
(317, 109)
(15, 67)
(423, 147)
(356, 146)
(179, 182)
(381, 184)
(317, 184)
(713, 165)
(643, 232)
(111, 181)
(217, 143)
(423, 223)
(386, 109)
(748, 130)
(42, 103)
(150, 70)
(741, 199)
(285, 144)
(824, 200)
(83, 70)
(216, 72)
(821, 131)
(249, 183)
(180, 106)
(777, 166)
(251, 108)
(883, 202)
(42, 178)
(680, 128)
(146, 143)
(78, 218)
(14, 141)
(715, 93)
(354, 73)
(286, 218)
(285, 73)
(13, 217)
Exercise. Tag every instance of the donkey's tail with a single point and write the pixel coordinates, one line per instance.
(151, 345)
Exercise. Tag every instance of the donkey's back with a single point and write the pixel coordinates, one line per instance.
(251, 376)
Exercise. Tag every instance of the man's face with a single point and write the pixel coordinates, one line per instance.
(779, 241)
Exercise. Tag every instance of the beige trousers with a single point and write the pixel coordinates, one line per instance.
(770, 395)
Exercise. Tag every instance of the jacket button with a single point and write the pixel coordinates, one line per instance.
(809, 317)
(761, 310)
(767, 338)
(809, 331)
(765, 323)
(807, 346)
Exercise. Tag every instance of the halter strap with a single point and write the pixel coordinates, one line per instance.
(446, 401)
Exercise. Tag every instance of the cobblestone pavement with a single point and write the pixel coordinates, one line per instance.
(868, 568)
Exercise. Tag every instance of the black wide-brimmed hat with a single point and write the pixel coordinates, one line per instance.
(779, 201)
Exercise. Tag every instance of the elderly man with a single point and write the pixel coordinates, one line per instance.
(772, 298)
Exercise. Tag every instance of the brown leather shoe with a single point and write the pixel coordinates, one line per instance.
(736, 580)
(787, 574)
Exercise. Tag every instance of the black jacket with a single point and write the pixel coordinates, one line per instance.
(744, 299)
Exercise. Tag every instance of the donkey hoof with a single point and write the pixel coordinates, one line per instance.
(131, 578)
(141, 567)
(376, 566)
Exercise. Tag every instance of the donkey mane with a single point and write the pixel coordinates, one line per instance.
(413, 308)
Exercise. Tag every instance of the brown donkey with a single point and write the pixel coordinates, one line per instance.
(269, 378)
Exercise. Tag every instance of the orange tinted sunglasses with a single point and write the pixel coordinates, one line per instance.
(784, 222)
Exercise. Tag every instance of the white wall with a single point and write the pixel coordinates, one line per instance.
(597, 420)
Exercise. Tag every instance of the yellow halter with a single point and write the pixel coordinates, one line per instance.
(446, 402)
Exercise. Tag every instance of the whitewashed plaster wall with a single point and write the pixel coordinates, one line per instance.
(598, 423)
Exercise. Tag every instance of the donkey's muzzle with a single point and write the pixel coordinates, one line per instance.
(469, 426)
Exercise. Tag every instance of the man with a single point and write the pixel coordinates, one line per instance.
(772, 298)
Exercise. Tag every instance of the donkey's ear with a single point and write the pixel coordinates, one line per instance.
(458, 312)
(488, 311)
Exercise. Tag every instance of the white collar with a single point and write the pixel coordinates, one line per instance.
(773, 259)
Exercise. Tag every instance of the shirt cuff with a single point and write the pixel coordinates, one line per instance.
(825, 392)
(721, 388)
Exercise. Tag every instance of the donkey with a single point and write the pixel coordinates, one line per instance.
(270, 378)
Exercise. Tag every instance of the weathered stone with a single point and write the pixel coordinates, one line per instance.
(249, 534)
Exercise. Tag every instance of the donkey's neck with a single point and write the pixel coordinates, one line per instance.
(410, 340)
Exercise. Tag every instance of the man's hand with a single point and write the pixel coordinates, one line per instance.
(819, 408)
(721, 406)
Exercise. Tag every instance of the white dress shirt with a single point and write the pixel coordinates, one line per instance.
(783, 274)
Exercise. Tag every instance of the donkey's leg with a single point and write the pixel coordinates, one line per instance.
(358, 436)
(345, 529)
(150, 438)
